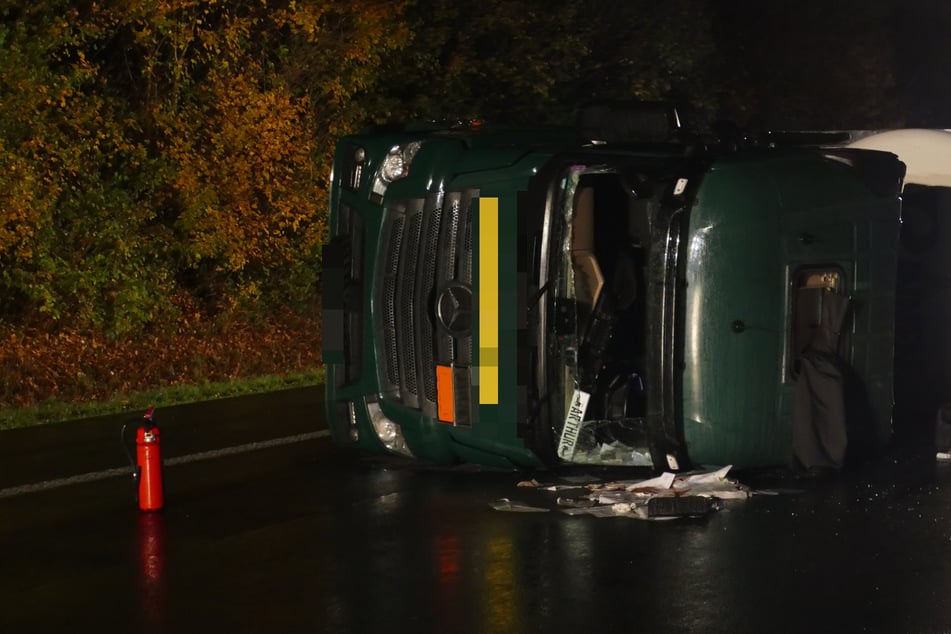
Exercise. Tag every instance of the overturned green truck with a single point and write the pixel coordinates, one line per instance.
(615, 293)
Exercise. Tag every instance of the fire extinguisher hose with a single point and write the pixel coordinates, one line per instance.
(127, 448)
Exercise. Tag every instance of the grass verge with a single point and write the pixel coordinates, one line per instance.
(56, 411)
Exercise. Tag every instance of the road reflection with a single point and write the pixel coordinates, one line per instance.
(425, 551)
(152, 571)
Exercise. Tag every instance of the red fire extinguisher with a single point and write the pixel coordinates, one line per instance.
(147, 468)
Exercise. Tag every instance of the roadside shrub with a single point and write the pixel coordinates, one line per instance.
(81, 366)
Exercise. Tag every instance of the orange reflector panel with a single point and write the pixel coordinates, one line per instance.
(444, 398)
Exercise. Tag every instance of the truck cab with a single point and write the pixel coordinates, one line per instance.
(614, 293)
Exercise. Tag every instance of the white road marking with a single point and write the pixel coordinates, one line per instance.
(170, 462)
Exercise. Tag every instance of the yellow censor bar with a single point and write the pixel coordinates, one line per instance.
(489, 301)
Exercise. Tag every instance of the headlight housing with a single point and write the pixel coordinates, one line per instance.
(388, 431)
(395, 165)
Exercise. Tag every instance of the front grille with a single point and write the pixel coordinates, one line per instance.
(342, 297)
(394, 238)
(408, 307)
(426, 244)
(353, 300)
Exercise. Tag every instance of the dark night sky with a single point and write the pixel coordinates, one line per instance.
(844, 63)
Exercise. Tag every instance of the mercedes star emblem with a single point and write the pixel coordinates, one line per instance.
(454, 309)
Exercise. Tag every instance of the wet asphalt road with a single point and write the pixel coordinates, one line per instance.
(300, 537)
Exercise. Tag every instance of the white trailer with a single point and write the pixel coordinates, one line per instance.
(923, 311)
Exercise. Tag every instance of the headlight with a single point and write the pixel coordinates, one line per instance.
(395, 165)
(388, 431)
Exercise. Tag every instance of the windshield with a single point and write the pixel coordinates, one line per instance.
(601, 314)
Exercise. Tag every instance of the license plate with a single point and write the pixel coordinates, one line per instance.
(572, 428)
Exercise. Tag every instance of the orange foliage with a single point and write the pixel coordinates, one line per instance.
(155, 149)
(75, 366)
(243, 176)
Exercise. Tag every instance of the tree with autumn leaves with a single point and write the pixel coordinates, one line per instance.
(163, 164)
(162, 156)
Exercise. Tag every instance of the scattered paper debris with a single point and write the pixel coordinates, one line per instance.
(575, 503)
(666, 496)
(505, 504)
(718, 476)
(554, 488)
(634, 512)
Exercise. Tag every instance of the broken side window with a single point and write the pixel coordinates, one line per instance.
(603, 274)
(811, 287)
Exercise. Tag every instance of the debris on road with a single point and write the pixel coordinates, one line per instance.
(505, 504)
(687, 506)
(666, 496)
